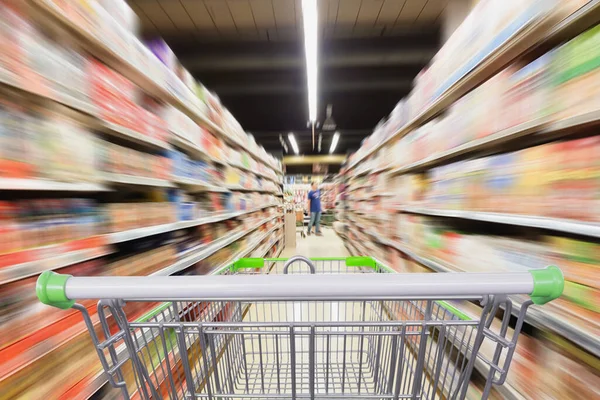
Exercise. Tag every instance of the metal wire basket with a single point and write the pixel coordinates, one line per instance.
(326, 328)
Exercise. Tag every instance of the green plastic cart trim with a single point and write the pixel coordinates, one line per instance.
(548, 284)
(154, 312)
(361, 262)
(350, 261)
(454, 310)
(245, 263)
(50, 290)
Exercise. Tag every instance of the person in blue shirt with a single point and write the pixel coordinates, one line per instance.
(314, 196)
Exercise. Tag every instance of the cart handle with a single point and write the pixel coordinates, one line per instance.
(299, 258)
(543, 285)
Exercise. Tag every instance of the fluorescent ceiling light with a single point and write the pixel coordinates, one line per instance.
(292, 140)
(334, 142)
(311, 19)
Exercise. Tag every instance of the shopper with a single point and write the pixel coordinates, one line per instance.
(314, 196)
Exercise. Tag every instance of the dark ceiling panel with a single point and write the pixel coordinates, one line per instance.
(263, 82)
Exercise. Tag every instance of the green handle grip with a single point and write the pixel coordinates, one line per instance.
(548, 284)
(50, 290)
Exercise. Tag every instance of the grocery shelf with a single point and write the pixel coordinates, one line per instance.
(135, 180)
(535, 316)
(102, 51)
(357, 187)
(252, 246)
(248, 169)
(208, 250)
(7, 79)
(270, 245)
(543, 320)
(364, 171)
(99, 49)
(87, 388)
(189, 147)
(50, 185)
(133, 136)
(195, 185)
(539, 127)
(106, 127)
(128, 69)
(574, 122)
(511, 48)
(481, 144)
(373, 195)
(27, 269)
(132, 234)
(137, 233)
(554, 224)
(584, 18)
(238, 188)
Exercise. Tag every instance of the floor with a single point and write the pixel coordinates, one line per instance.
(328, 245)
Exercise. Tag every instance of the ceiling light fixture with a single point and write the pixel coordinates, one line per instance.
(292, 140)
(283, 143)
(334, 142)
(311, 19)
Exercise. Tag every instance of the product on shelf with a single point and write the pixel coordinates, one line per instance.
(551, 180)
(28, 224)
(116, 99)
(557, 85)
(43, 144)
(184, 167)
(125, 216)
(122, 160)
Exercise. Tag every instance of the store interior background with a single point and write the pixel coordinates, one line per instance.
(155, 137)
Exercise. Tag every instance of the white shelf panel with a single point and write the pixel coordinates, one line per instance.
(194, 185)
(21, 271)
(555, 224)
(205, 251)
(49, 185)
(135, 180)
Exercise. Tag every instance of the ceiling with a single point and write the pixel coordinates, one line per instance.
(251, 53)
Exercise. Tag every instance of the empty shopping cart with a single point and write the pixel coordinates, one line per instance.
(327, 328)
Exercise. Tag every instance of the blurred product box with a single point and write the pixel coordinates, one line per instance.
(126, 216)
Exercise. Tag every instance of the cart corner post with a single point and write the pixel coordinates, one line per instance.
(51, 290)
(548, 284)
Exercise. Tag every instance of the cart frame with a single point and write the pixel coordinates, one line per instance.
(339, 328)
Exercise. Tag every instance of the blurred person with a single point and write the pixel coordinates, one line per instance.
(314, 196)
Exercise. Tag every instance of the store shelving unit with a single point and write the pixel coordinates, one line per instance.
(549, 30)
(553, 224)
(364, 228)
(204, 251)
(259, 235)
(49, 185)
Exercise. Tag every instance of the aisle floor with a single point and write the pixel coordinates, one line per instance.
(328, 245)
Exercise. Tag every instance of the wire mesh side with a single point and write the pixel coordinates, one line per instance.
(284, 349)
(322, 266)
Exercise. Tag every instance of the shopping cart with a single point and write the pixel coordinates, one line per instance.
(302, 222)
(340, 328)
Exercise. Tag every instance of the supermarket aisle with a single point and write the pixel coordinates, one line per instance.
(328, 245)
